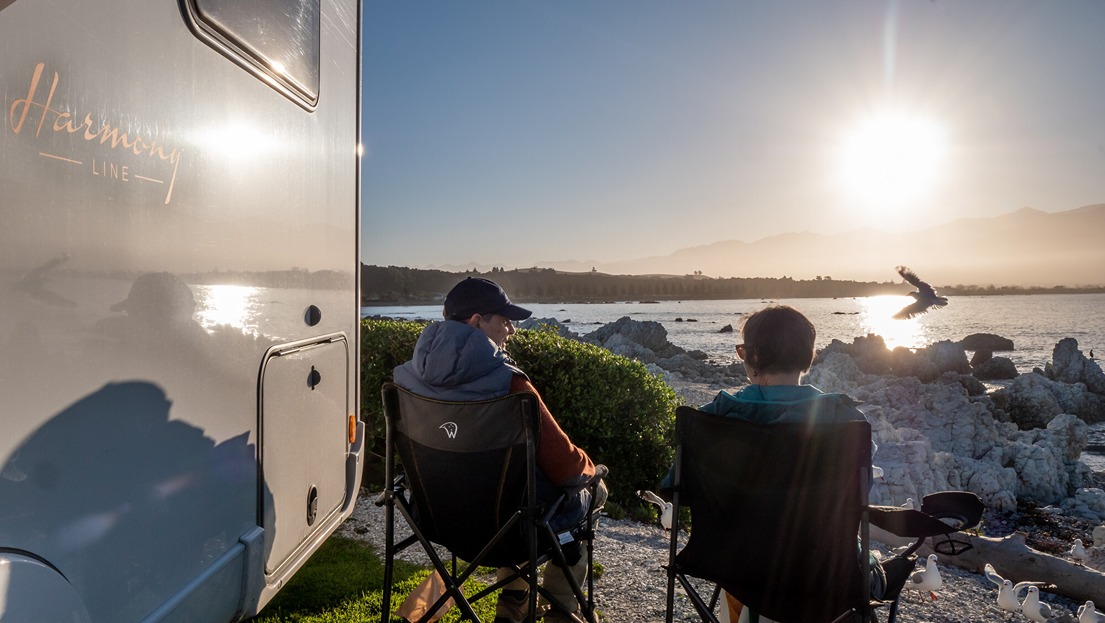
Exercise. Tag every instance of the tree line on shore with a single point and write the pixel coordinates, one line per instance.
(398, 285)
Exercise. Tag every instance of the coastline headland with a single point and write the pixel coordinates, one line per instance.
(397, 285)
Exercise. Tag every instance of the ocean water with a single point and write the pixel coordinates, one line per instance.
(1035, 323)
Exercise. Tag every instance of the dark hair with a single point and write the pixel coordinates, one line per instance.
(778, 339)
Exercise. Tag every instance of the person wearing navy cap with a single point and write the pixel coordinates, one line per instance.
(462, 358)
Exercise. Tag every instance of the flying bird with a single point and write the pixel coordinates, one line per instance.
(1087, 613)
(1009, 594)
(927, 579)
(1078, 552)
(1035, 609)
(924, 298)
(665, 507)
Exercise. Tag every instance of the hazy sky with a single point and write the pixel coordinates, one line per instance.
(514, 132)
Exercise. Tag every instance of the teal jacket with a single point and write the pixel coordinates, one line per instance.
(781, 404)
(784, 404)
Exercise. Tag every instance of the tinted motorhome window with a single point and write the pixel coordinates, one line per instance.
(278, 37)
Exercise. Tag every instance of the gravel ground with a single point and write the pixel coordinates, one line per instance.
(632, 586)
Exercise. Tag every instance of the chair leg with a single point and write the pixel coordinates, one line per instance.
(389, 555)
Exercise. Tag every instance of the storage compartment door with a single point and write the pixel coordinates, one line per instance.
(304, 389)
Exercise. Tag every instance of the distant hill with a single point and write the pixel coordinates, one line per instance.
(1024, 248)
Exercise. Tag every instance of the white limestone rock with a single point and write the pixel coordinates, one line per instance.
(1069, 365)
(1087, 502)
(948, 356)
(934, 436)
(1031, 400)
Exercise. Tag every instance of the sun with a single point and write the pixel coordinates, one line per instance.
(892, 160)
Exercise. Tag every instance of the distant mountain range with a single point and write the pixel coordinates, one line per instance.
(1024, 248)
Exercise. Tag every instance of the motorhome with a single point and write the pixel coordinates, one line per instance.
(178, 288)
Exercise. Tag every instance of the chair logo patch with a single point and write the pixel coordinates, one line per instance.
(450, 429)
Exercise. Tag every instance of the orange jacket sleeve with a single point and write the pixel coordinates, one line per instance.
(558, 458)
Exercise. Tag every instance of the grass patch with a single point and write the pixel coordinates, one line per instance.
(342, 583)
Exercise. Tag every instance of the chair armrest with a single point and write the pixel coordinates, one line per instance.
(907, 522)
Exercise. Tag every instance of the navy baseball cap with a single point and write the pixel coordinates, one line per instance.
(476, 295)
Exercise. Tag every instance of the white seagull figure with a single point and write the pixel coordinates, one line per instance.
(665, 507)
(1035, 609)
(924, 298)
(927, 579)
(1009, 594)
(1078, 552)
(1087, 613)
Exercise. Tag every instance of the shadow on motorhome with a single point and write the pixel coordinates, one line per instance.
(191, 501)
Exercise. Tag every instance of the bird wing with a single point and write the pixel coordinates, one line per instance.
(992, 575)
(911, 310)
(649, 496)
(1021, 586)
(922, 287)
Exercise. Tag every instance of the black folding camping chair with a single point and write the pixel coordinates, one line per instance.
(780, 520)
(468, 483)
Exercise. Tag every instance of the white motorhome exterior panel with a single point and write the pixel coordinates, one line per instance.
(170, 211)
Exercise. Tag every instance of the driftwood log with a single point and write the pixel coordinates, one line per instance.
(1016, 561)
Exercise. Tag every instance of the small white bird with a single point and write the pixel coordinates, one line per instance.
(1035, 609)
(665, 507)
(927, 579)
(908, 503)
(1078, 552)
(1087, 613)
(1009, 594)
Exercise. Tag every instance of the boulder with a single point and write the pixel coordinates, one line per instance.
(1031, 400)
(726, 329)
(985, 341)
(621, 345)
(1069, 365)
(995, 369)
(947, 356)
(973, 386)
(648, 334)
(980, 357)
(871, 354)
(1088, 503)
(904, 362)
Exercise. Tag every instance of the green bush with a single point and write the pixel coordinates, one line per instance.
(609, 405)
(384, 345)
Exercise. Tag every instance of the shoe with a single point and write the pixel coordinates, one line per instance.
(512, 607)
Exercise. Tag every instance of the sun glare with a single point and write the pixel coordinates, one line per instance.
(227, 305)
(892, 161)
(877, 316)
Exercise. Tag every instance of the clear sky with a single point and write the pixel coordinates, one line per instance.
(521, 131)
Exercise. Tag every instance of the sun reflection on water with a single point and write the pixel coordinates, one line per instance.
(235, 306)
(877, 316)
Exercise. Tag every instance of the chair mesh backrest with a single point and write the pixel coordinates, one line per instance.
(466, 468)
(775, 511)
